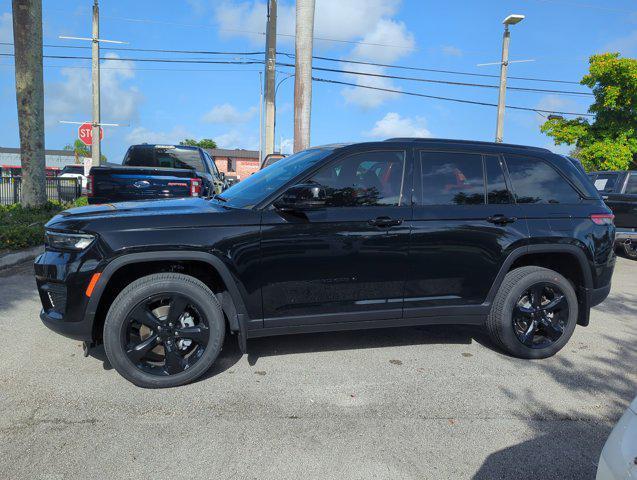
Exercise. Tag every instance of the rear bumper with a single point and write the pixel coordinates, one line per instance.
(624, 234)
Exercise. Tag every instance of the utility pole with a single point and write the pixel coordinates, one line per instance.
(270, 65)
(29, 85)
(499, 128)
(96, 145)
(303, 73)
(96, 148)
(260, 118)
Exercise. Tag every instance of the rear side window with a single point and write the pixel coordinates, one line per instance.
(497, 191)
(605, 182)
(449, 178)
(631, 185)
(535, 181)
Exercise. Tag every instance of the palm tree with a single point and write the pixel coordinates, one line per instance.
(79, 149)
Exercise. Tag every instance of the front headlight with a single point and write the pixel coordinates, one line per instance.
(68, 241)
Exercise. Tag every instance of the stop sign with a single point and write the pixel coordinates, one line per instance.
(85, 133)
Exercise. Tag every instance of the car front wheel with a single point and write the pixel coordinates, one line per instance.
(164, 330)
(534, 313)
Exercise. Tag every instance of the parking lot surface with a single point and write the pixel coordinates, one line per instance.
(428, 402)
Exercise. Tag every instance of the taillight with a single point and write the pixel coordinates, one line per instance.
(195, 187)
(603, 218)
(89, 186)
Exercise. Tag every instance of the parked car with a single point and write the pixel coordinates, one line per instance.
(156, 172)
(619, 191)
(68, 191)
(618, 460)
(380, 234)
(271, 159)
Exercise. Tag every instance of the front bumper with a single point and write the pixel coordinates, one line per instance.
(62, 279)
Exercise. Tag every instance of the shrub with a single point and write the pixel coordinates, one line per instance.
(24, 227)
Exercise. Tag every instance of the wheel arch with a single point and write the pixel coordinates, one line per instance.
(577, 271)
(229, 295)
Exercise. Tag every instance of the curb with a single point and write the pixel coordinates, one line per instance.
(12, 259)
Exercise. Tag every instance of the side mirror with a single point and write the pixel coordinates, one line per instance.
(306, 196)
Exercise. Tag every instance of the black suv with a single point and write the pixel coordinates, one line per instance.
(393, 233)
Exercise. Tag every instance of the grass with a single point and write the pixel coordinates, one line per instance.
(24, 227)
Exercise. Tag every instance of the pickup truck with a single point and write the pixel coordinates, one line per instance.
(156, 171)
(619, 191)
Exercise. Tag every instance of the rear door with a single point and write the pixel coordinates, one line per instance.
(624, 204)
(465, 222)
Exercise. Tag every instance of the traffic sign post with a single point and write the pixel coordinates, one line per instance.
(85, 133)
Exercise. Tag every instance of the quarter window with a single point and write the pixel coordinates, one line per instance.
(631, 185)
(363, 179)
(535, 181)
(449, 178)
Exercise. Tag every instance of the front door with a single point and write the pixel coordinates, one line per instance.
(347, 261)
(465, 222)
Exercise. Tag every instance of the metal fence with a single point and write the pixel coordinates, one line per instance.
(60, 189)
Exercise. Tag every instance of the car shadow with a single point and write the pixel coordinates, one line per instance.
(345, 340)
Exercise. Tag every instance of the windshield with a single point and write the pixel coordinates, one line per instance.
(260, 185)
(164, 157)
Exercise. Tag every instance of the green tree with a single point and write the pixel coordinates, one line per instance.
(79, 149)
(203, 143)
(609, 142)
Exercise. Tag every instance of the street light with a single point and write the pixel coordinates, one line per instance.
(510, 20)
(276, 89)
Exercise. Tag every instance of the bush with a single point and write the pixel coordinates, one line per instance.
(24, 227)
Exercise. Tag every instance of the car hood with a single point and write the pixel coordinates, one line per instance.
(178, 212)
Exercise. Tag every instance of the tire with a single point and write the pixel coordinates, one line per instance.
(629, 251)
(508, 318)
(199, 307)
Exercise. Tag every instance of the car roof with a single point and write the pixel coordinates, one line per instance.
(435, 142)
(155, 145)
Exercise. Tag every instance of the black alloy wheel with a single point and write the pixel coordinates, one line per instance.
(540, 315)
(164, 330)
(165, 335)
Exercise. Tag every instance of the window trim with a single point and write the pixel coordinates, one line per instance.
(559, 172)
(625, 187)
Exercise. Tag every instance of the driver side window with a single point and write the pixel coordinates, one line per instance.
(363, 179)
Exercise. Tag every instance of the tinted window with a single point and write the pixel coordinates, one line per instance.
(535, 181)
(164, 157)
(497, 191)
(451, 178)
(631, 186)
(605, 182)
(363, 179)
(260, 185)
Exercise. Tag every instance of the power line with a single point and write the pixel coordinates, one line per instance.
(445, 82)
(159, 60)
(449, 99)
(331, 59)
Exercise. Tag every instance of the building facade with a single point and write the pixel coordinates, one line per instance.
(55, 160)
(237, 164)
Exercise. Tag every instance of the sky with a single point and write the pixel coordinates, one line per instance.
(167, 102)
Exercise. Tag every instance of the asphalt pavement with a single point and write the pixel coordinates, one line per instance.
(411, 403)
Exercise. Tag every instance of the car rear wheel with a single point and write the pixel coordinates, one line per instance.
(629, 249)
(164, 330)
(534, 313)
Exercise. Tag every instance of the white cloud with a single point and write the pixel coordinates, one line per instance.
(72, 97)
(144, 135)
(237, 139)
(393, 125)
(553, 103)
(451, 51)
(6, 27)
(287, 145)
(386, 42)
(626, 45)
(227, 113)
(365, 97)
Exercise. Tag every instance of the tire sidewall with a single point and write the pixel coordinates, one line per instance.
(137, 292)
(507, 332)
